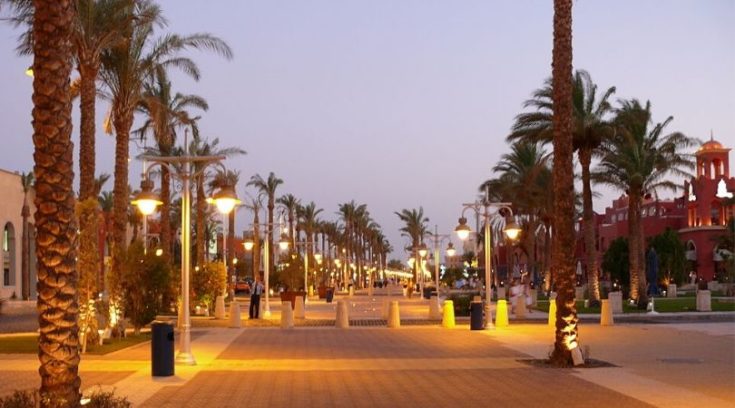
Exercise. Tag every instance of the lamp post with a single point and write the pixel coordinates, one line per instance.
(146, 201)
(282, 244)
(511, 230)
(437, 239)
(180, 166)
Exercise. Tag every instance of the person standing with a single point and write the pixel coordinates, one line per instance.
(255, 298)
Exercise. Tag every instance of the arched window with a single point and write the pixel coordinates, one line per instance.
(691, 251)
(9, 255)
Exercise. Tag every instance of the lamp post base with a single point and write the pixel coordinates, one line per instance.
(185, 358)
(267, 313)
(489, 317)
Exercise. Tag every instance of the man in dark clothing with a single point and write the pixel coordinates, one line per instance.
(255, 293)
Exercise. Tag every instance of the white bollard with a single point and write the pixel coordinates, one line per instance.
(299, 310)
(616, 301)
(235, 321)
(342, 321)
(286, 315)
(606, 314)
(671, 290)
(520, 309)
(219, 307)
(394, 316)
(352, 291)
(384, 309)
(434, 308)
(704, 301)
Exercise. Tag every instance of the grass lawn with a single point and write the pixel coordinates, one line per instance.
(664, 305)
(28, 344)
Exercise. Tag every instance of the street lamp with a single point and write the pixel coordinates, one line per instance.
(437, 239)
(511, 230)
(146, 201)
(225, 199)
(180, 166)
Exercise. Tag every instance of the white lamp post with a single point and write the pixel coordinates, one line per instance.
(463, 231)
(437, 239)
(180, 166)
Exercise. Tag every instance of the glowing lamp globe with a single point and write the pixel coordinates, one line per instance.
(283, 243)
(450, 250)
(463, 230)
(512, 230)
(146, 201)
(248, 244)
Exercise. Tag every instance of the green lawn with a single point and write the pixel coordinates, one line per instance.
(28, 344)
(665, 305)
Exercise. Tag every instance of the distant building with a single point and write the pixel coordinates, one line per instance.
(11, 219)
(699, 216)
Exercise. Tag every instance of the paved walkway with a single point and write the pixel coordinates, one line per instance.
(667, 365)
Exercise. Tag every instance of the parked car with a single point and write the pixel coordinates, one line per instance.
(243, 285)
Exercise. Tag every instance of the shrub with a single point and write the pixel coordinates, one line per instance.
(32, 399)
(461, 304)
(208, 282)
(146, 283)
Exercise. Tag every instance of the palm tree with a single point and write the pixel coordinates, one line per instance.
(292, 204)
(203, 147)
(562, 124)
(255, 204)
(639, 160)
(58, 342)
(416, 226)
(126, 68)
(165, 114)
(268, 188)
(26, 180)
(590, 127)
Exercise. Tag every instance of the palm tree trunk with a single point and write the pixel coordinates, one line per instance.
(88, 96)
(165, 212)
(588, 226)
(563, 264)
(547, 259)
(122, 120)
(256, 245)
(633, 244)
(271, 255)
(25, 258)
(201, 228)
(230, 244)
(58, 310)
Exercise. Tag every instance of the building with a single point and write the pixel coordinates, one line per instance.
(699, 216)
(14, 282)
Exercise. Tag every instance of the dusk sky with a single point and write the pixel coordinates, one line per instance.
(401, 104)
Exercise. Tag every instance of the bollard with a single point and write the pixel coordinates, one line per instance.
(342, 321)
(552, 312)
(394, 315)
(299, 311)
(352, 291)
(616, 301)
(606, 315)
(384, 309)
(501, 314)
(521, 310)
(235, 321)
(704, 301)
(671, 290)
(286, 315)
(219, 307)
(434, 308)
(448, 314)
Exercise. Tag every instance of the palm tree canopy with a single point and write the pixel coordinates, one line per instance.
(267, 186)
(416, 224)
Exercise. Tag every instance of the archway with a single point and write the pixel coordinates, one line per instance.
(9, 255)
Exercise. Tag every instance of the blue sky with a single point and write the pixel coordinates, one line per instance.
(401, 104)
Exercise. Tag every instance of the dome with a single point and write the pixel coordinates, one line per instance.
(711, 145)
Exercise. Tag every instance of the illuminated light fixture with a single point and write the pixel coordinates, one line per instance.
(146, 200)
(422, 250)
(225, 199)
(463, 230)
(234, 261)
(318, 257)
(450, 250)
(512, 230)
(337, 262)
(248, 244)
(29, 71)
(159, 252)
(283, 242)
(411, 261)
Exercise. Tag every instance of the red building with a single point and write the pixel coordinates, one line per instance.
(699, 216)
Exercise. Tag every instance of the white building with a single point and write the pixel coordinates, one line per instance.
(11, 205)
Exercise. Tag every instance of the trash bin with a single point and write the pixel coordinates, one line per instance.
(162, 349)
(330, 295)
(476, 321)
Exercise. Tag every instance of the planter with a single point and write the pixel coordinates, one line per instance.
(704, 301)
(291, 297)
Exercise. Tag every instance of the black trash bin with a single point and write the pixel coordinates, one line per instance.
(162, 349)
(330, 295)
(476, 320)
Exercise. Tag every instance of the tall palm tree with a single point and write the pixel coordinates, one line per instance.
(126, 68)
(268, 188)
(204, 147)
(562, 124)
(639, 160)
(416, 226)
(292, 204)
(165, 113)
(590, 128)
(26, 180)
(58, 342)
